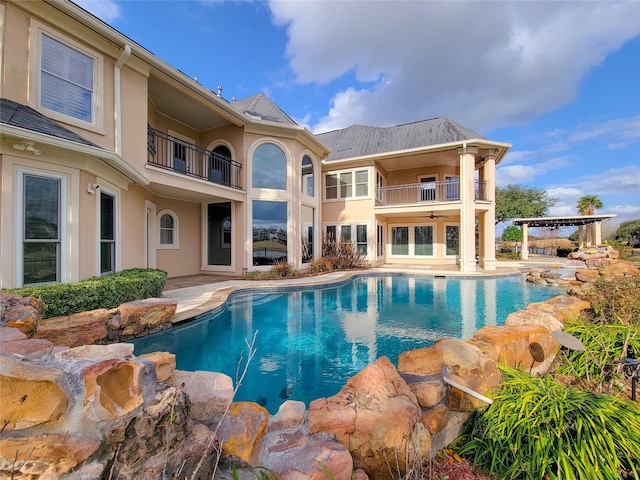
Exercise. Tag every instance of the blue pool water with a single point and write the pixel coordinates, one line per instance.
(309, 342)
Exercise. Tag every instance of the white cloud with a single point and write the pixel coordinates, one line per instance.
(515, 174)
(105, 10)
(615, 183)
(484, 64)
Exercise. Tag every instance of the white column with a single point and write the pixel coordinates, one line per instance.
(467, 211)
(580, 236)
(598, 233)
(525, 241)
(488, 220)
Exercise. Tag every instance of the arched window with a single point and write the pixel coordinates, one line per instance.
(168, 229)
(220, 165)
(269, 167)
(307, 176)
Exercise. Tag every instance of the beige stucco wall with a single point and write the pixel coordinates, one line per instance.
(184, 260)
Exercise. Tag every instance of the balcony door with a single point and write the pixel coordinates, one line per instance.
(428, 189)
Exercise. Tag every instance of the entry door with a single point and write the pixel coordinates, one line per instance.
(428, 189)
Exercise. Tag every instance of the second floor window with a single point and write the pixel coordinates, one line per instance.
(352, 184)
(67, 80)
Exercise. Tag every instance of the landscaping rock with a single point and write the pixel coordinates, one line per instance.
(164, 364)
(377, 417)
(435, 419)
(423, 361)
(30, 394)
(587, 275)
(528, 347)
(292, 455)
(23, 313)
(535, 317)
(242, 429)
(75, 330)
(290, 414)
(467, 365)
(45, 456)
(25, 347)
(149, 314)
(209, 393)
(428, 394)
(10, 334)
(113, 388)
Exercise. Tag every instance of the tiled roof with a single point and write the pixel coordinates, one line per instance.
(18, 115)
(261, 107)
(361, 140)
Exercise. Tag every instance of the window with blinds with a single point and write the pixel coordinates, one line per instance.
(66, 80)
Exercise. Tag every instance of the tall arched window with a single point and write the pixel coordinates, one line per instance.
(307, 176)
(269, 167)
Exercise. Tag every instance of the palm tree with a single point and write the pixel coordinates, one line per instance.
(588, 205)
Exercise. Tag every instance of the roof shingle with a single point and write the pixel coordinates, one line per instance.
(18, 115)
(361, 140)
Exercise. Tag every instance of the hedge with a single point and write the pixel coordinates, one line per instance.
(108, 291)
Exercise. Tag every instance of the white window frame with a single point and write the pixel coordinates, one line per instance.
(444, 239)
(381, 182)
(63, 220)
(380, 245)
(353, 230)
(115, 193)
(176, 230)
(411, 251)
(37, 30)
(350, 186)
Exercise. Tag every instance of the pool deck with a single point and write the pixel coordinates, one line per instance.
(198, 294)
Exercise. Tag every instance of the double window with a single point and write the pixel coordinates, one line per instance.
(348, 184)
(414, 240)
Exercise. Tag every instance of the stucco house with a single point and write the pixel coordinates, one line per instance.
(111, 158)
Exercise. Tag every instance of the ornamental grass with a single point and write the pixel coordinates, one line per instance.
(539, 429)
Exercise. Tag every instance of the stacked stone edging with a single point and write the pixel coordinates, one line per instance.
(106, 410)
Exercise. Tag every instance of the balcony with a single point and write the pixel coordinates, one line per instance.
(173, 154)
(420, 193)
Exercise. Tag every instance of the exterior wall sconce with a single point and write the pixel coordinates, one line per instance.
(27, 145)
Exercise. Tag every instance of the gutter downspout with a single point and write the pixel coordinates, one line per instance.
(117, 98)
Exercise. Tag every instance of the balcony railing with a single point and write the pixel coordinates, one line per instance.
(432, 192)
(179, 156)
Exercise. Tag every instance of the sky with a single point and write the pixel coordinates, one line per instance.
(559, 80)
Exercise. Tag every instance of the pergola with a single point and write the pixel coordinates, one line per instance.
(593, 234)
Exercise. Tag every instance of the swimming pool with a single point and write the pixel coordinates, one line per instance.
(309, 342)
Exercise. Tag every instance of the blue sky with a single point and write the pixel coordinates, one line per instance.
(558, 80)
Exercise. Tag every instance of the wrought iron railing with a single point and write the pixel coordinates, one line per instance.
(186, 158)
(431, 192)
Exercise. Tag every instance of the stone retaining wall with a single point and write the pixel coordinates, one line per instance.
(92, 411)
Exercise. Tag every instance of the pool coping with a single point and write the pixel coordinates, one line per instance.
(195, 302)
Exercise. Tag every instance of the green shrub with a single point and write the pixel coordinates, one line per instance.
(614, 300)
(537, 428)
(598, 366)
(108, 291)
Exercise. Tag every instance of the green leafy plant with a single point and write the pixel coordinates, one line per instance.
(537, 428)
(598, 366)
(108, 291)
(614, 300)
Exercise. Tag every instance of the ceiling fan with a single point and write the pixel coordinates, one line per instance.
(432, 216)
